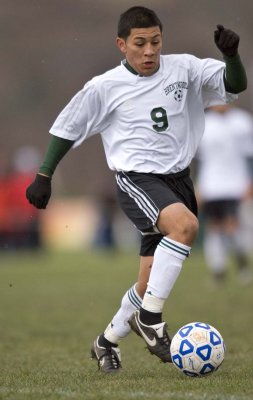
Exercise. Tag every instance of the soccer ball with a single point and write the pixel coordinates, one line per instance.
(197, 349)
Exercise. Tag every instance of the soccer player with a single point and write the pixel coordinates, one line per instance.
(149, 111)
(224, 183)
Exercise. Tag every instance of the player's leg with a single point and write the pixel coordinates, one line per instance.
(105, 347)
(179, 227)
(119, 327)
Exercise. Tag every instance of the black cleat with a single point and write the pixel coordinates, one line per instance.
(155, 336)
(109, 359)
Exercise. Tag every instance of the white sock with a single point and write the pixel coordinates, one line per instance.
(152, 303)
(119, 327)
(215, 251)
(167, 264)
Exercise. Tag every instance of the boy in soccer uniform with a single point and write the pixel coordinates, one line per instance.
(149, 112)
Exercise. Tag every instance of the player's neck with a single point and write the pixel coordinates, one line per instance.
(129, 67)
(132, 70)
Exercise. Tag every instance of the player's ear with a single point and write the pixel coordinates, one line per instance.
(121, 43)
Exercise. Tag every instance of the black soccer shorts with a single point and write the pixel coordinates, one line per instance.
(143, 195)
(218, 210)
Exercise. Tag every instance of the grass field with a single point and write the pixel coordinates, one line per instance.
(52, 305)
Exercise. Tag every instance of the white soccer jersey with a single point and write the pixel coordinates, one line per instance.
(147, 124)
(226, 144)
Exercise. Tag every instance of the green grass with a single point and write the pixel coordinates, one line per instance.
(52, 305)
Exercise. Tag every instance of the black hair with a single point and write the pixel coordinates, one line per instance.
(137, 17)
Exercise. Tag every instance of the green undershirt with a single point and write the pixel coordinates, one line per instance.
(235, 78)
(235, 81)
(57, 149)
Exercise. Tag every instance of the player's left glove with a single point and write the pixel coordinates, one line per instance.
(226, 40)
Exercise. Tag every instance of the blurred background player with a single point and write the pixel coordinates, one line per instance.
(224, 182)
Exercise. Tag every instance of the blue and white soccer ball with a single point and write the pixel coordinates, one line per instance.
(197, 349)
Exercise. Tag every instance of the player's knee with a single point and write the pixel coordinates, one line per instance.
(185, 229)
(189, 228)
(179, 223)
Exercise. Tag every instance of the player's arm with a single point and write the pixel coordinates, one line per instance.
(39, 192)
(227, 41)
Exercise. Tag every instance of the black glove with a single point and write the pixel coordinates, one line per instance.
(39, 192)
(226, 40)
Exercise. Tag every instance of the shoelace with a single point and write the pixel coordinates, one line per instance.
(164, 341)
(113, 359)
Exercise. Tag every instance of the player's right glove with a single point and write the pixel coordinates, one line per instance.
(39, 192)
(227, 41)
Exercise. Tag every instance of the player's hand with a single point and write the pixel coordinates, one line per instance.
(226, 40)
(39, 192)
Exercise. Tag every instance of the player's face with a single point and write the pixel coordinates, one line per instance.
(142, 49)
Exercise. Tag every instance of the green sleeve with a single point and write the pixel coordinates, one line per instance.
(235, 78)
(57, 149)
